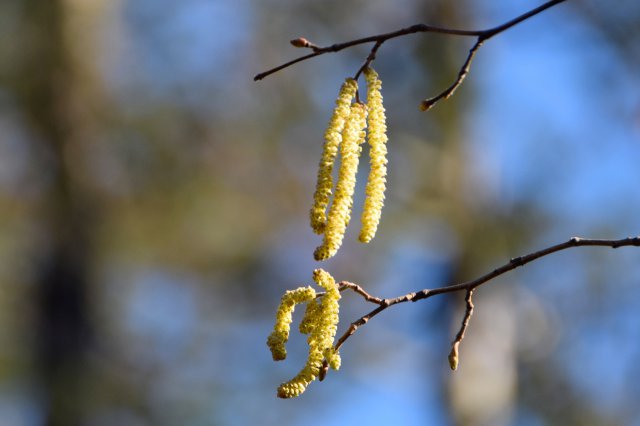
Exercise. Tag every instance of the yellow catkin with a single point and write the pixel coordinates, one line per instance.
(325, 320)
(296, 386)
(378, 158)
(340, 212)
(330, 309)
(332, 138)
(278, 338)
(334, 359)
(310, 318)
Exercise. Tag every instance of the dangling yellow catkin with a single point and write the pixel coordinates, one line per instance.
(280, 334)
(333, 138)
(321, 323)
(340, 212)
(378, 158)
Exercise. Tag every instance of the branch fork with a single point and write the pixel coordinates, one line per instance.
(379, 39)
(469, 287)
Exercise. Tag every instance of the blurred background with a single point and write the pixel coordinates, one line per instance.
(154, 204)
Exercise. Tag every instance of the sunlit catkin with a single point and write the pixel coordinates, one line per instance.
(310, 318)
(377, 139)
(328, 323)
(340, 212)
(278, 338)
(332, 137)
(321, 322)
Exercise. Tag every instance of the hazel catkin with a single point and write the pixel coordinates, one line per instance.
(377, 139)
(333, 137)
(353, 136)
(321, 322)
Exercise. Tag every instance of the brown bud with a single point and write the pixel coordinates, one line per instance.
(453, 356)
(425, 105)
(300, 42)
(323, 370)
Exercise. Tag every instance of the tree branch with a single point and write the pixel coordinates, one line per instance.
(454, 354)
(469, 286)
(464, 70)
(343, 285)
(481, 36)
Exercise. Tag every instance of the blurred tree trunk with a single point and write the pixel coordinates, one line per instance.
(486, 397)
(63, 329)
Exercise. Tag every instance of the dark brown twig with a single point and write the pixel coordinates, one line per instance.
(471, 285)
(453, 355)
(481, 36)
(370, 58)
(342, 285)
(462, 74)
(346, 285)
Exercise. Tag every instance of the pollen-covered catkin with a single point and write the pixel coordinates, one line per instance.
(377, 139)
(310, 318)
(308, 374)
(330, 309)
(333, 138)
(320, 338)
(334, 359)
(353, 136)
(280, 334)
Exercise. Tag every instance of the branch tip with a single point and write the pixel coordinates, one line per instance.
(453, 356)
(469, 287)
(426, 105)
(378, 39)
(303, 42)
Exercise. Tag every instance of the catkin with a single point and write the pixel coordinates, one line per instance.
(377, 139)
(353, 136)
(321, 323)
(278, 338)
(333, 137)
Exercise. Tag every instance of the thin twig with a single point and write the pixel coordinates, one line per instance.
(370, 58)
(482, 35)
(471, 285)
(342, 285)
(464, 70)
(454, 354)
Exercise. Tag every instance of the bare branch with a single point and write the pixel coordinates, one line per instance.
(359, 323)
(487, 34)
(342, 285)
(379, 39)
(454, 354)
(428, 103)
(469, 286)
(370, 58)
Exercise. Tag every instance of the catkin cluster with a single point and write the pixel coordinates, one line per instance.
(344, 135)
(278, 338)
(319, 323)
(346, 132)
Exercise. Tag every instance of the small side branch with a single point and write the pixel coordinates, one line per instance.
(454, 354)
(462, 74)
(343, 285)
(370, 58)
